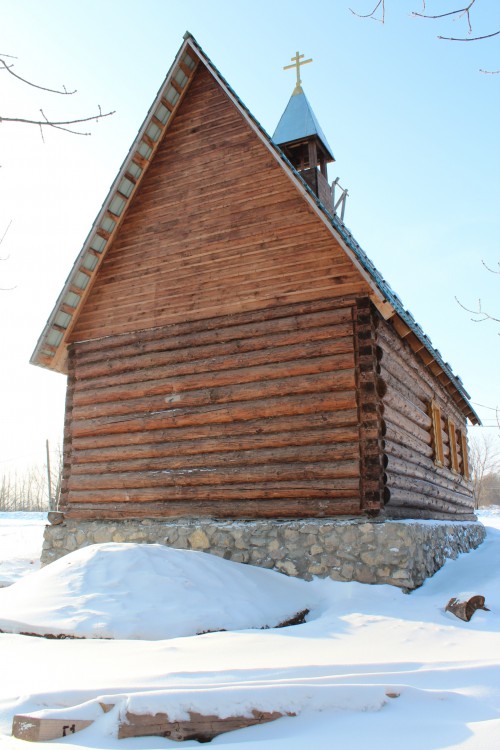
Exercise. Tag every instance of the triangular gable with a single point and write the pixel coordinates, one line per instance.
(51, 348)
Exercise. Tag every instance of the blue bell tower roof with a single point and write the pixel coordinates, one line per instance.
(299, 122)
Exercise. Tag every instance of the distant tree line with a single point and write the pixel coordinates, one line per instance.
(28, 490)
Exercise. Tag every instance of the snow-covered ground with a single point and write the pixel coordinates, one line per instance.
(21, 536)
(360, 645)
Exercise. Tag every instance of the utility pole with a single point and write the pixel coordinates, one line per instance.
(49, 482)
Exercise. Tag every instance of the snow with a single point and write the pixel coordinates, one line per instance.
(21, 536)
(371, 666)
(148, 591)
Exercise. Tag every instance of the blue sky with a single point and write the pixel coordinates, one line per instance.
(413, 124)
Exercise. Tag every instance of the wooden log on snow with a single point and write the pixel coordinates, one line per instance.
(464, 609)
(35, 729)
(197, 727)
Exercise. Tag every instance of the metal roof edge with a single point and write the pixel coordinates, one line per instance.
(35, 357)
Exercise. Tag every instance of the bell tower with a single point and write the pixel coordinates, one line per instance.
(300, 137)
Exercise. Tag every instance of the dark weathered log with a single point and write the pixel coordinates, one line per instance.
(428, 471)
(398, 354)
(464, 609)
(217, 413)
(394, 434)
(315, 505)
(129, 383)
(342, 474)
(250, 431)
(220, 328)
(311, 488)
(215, 337)
(398, 402)
(415, 496)
(394, 384)
(152, 395)
(306, 378)
(333, 436)
(406, 425)
(212, 355)
(296, 454)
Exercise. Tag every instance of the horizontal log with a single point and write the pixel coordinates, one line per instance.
(222, 328)
(428, 490)
(303, 377)
(170, 351)
(341, 475)
(313, 358)
(296, 454)
(403, 498)
(211, 494)
(202, 359)
(301, 403)
(321, 507)
(395, 434)
(406, 425)
(420, 376)
(339, 424)
(427, 470)
(396, 377)
(401, 512)
(399, 403)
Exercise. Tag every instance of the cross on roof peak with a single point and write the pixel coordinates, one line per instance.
(297, 62)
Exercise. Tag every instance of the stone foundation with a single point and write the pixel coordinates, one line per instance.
(401, 553)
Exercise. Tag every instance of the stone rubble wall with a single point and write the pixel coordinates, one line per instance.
(400, 553)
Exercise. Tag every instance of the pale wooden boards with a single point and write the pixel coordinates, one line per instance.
(197, 727)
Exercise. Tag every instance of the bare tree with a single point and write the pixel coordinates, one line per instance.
(484, 461)
(480, 314)
(44, 122)
(378, 14)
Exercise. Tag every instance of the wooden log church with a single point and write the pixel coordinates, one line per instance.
(231, 351)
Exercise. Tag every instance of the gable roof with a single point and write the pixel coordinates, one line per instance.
(297, 122)
(51, 350)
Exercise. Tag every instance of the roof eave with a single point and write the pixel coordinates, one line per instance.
(51, 349)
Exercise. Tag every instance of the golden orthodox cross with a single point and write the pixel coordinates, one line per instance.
(297, 62)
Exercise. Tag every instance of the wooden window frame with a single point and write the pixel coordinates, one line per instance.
(465, 471)
(452, 435)
(437, 434)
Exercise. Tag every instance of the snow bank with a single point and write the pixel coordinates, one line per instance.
(150, 592)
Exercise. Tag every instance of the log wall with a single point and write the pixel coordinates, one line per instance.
(243, 416)
(415, 485)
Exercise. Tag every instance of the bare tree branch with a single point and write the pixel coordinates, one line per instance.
(468, 38)
(479, 311)
(380, 4)
(460, 12)
(59, 124)
(46, 122)
(8, 68)
(491, 270)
